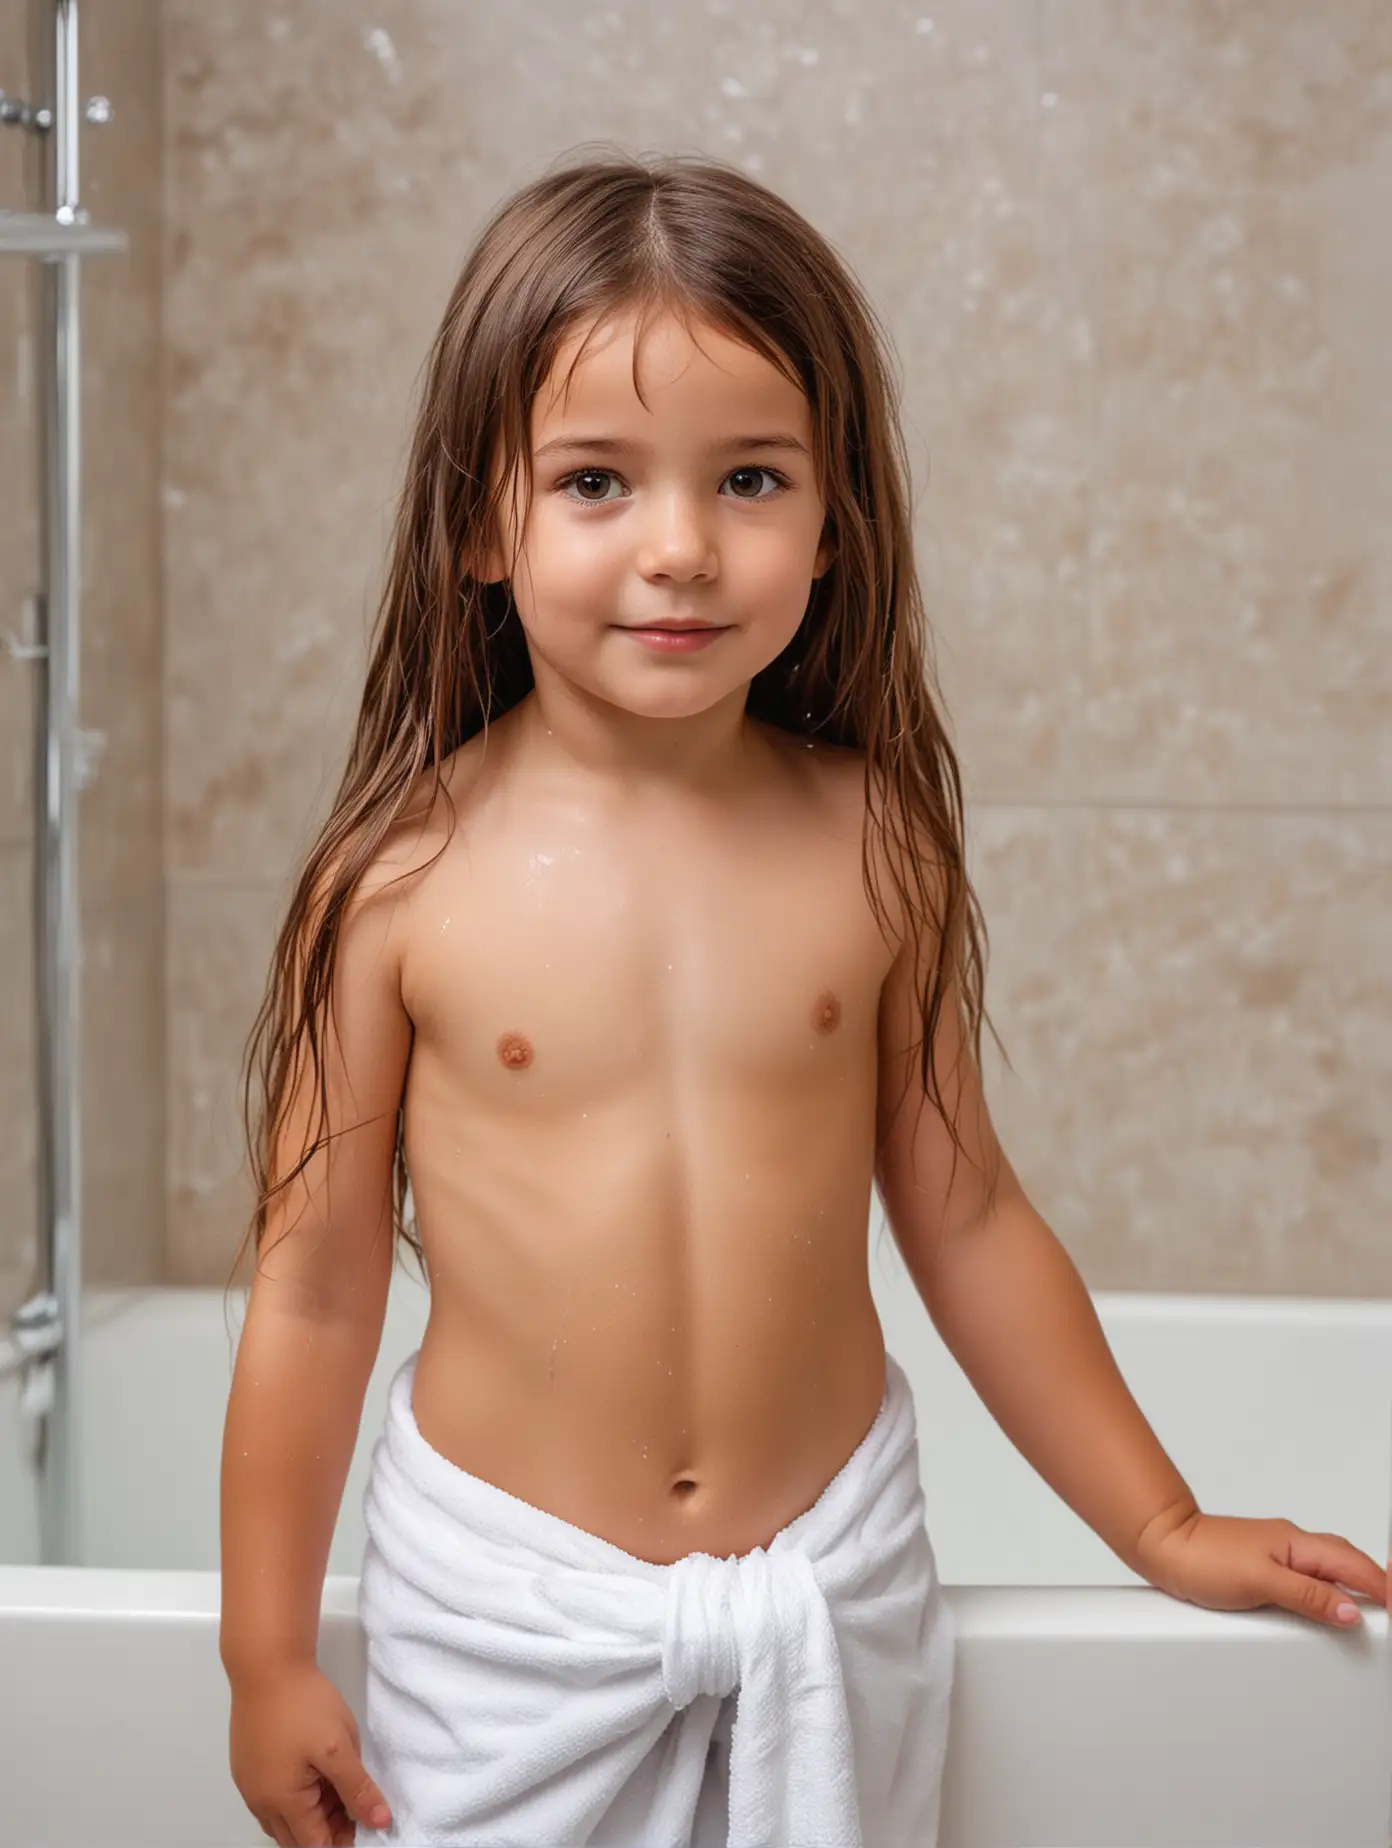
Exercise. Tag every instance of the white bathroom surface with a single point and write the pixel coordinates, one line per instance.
(1081, 1719)
(1106, 1718)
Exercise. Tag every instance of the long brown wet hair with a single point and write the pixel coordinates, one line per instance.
(610, 233)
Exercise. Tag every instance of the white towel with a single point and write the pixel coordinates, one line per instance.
(531, 1685)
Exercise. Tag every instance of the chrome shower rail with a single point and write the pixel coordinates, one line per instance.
(45, 1330)
(45, 234)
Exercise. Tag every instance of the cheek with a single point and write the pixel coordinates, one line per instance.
(775, 566)
(568, 561)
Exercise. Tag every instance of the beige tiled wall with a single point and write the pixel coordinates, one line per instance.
(121, 870)
(1136, 265)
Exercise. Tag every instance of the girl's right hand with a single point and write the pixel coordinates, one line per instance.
(296, 1759)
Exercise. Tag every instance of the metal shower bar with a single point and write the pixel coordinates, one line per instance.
(45, 1331)
(41, 234)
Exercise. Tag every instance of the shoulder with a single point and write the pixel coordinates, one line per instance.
(902, 850)
(414, 844)
(865, 810)
(841, 784)
(420, 867)
(833, 774)
(428, 819)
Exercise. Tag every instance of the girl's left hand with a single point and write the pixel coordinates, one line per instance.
(1227, 1563)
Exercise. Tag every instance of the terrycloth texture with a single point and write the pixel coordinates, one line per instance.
(530, 1685)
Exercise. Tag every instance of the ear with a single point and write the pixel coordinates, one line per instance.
(487, 570)
(826, 552)
(482, 562)
(483, 555)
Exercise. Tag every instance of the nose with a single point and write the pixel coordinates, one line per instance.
(675, 541)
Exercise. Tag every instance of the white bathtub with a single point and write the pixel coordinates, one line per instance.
(1090, 1711)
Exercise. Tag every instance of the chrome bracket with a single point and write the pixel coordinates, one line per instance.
(16, 112)
(36, 1333)
(36, 1327)
(21, 650)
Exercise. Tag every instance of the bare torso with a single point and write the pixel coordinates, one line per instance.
(639, 1122)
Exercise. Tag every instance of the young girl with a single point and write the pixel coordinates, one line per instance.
(596, 943)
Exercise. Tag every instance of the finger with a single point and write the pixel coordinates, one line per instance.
(361, 1798)
(313, 1829)
(279, 1830)
(1330, 1556)
(1310, 1597)
(344, 1830)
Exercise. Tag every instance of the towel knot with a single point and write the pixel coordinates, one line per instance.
(723, 1613)
(702, 1622)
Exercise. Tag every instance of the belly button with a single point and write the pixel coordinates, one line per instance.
(684, 1487)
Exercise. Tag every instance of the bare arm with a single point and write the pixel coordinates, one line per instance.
(1004, 1294)
(314, 1319)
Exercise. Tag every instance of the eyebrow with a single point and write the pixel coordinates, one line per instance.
(613, 445)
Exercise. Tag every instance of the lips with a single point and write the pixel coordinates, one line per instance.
(678, 639)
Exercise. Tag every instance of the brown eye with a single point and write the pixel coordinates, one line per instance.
(751, 476)
(587, 480)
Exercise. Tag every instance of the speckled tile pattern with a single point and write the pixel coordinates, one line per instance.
(1131, 263)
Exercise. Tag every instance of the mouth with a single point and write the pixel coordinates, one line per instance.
(673, 628)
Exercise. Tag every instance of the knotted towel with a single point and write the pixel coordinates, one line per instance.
(531, 1685)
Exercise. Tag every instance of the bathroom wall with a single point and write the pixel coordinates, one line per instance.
(121, 867)
(1135, 263)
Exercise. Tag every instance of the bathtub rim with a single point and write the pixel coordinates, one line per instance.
(104, 1303)
(1132, 1612)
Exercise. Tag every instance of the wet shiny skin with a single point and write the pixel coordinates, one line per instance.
(639, 1120)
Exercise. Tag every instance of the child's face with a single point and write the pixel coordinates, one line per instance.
(667, 510)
